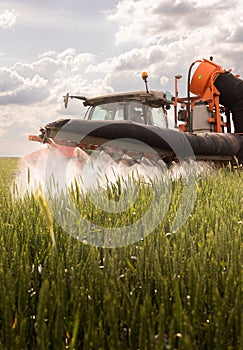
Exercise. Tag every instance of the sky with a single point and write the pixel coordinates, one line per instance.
(50, 47)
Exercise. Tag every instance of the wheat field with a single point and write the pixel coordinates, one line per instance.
(180, 290)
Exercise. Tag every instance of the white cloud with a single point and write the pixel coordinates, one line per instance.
(9, 80)
(31, 94)
(169, 36)
(15, 128)
(7, 19)
(145, 23)
(41, 80)
(15, 89)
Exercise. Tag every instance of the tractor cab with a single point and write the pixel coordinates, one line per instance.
(138, 106)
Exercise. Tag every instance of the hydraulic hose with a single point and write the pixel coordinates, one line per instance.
(188, 95)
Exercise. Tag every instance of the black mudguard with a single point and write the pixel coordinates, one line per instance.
(181, 145)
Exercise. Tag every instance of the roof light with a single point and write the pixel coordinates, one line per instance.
(144, 75)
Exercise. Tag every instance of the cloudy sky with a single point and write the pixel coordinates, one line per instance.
(51, 47)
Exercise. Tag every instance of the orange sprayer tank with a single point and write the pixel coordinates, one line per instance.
(202, 76)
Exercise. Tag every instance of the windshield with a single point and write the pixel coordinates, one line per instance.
(133, 111)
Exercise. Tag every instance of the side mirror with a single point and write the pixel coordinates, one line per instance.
(66, 100)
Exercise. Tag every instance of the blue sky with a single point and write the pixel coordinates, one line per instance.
(89, 48)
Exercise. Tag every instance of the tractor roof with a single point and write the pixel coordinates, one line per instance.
(152, 98)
